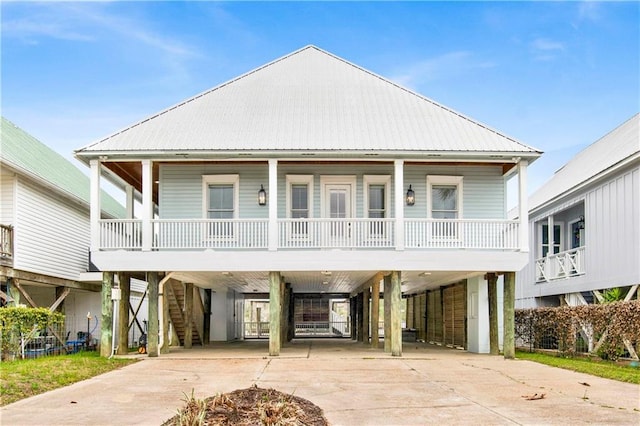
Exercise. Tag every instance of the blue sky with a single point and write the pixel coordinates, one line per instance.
(554, 75)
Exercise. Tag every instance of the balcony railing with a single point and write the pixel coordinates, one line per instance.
(461, 234)
(336, 233)
(6, 244)
(253, 234)
(565, 264)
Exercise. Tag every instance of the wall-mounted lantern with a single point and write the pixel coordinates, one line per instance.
(262, 196)
(411, 196)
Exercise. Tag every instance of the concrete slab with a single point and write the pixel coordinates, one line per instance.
(352, 383)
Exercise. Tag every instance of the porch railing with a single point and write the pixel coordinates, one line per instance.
(118, 234)
(461, 233)
(210, 233)
(335, 233)
(569, 263)
(356, 233)
(6, 243)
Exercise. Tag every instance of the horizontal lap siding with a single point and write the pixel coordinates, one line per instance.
(483, 194)
(181, 187)
(6, 198)
(51, 237)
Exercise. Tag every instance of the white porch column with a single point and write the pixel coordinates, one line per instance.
(95, 208)
(129, 201)
(398, 179)
(273, 205)
(523, 213)
(550, 226)
(147, 205)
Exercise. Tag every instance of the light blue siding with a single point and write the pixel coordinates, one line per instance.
(181, 187)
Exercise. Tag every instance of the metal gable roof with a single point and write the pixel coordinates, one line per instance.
(309, 100)
(25, 154)
(614, 148)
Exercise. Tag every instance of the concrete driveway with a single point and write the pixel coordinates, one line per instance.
(352, 383)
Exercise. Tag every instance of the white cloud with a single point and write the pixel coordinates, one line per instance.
(546, 44)
(439, 67)
(589, 10)
(86, 22)
(545, 49)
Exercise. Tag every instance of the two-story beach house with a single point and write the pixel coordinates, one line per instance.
(309, 178)
(584, 225)
(44, 239)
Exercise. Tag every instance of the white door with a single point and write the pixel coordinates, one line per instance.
(338, 206)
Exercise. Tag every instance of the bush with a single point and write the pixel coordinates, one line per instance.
(18, 321)
(562, 325)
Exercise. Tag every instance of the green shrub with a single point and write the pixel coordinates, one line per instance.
(18, 321)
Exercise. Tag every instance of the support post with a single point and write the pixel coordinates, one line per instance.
(387, 313)
(163, 293)
(366, 295)
(272, 202)
(152, 328)
(188, 315)
(275, 309)
(359, 310)
(375, 313)
(523, 208)
(60, 295)
(398, 179)
(509, 345)
(147, 205)
(283, 312)
(354, 315)
(124, 282)
(396, 319)
(106, 322)
(492, 293)
(206, 326)
(94, 205)
(291, 320)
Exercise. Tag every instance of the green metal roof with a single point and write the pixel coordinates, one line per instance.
(26, 154)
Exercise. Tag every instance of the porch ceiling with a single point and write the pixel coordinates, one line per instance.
(318, 281)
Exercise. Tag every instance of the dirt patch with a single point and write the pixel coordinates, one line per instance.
(251, 406)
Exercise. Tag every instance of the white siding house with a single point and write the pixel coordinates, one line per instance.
(313, 177)
(584, 224)
(44, 215)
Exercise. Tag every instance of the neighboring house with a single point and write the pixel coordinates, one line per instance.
(44, 218)
(584, 225)
(312, 178)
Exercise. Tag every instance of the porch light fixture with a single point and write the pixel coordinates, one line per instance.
(411, 196)
(580, 222)
(262, 196)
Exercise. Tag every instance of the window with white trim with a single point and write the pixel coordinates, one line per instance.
(376, 201)
(444, 201)
(299, 201)
(543, 237)
(220, 201)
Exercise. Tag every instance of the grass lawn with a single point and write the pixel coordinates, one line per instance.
(24, 378)
(595, 367)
